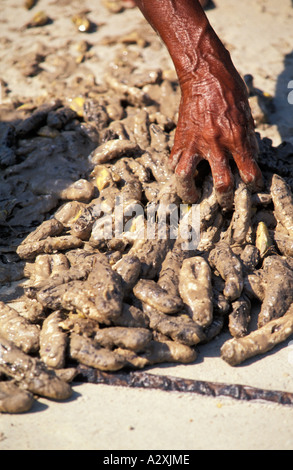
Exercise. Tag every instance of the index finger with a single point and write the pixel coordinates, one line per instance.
(184, 174)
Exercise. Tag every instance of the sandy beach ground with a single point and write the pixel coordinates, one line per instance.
(259, 35)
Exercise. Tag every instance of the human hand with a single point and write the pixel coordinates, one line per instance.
(215, 124)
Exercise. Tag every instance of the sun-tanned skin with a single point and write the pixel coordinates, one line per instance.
(215, 120)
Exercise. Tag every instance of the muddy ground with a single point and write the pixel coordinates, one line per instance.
(42, 63)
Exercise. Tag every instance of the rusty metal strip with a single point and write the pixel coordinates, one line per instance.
(174, 384)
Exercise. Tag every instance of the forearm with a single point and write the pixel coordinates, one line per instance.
(186, 32)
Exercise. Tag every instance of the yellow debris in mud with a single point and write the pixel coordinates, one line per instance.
(103, 178)
(77, 104)
(39, 19)
(263, 240)
(82, 23)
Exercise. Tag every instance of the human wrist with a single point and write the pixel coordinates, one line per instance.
(208, 60)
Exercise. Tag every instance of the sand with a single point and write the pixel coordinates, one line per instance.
(259, 36)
